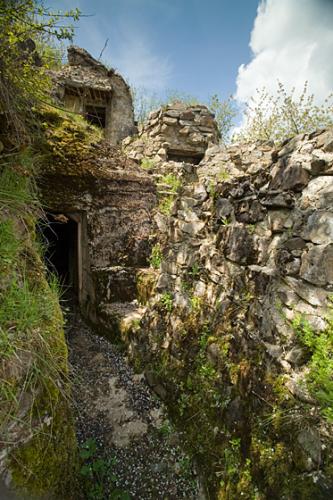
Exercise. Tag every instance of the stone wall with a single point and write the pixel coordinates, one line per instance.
(175, 132)
(247, 257)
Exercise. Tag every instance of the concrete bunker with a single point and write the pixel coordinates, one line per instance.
(85, 86)
(62, 235)
(180, 155)
(100, 227)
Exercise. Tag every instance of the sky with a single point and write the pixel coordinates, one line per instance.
(203, 47)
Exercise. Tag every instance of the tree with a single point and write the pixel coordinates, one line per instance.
(225, 112)
(276, 117)
(25, 24)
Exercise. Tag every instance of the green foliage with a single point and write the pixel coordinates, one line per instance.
(98, 475)
(195, 271)
(196, 303)
(225, 112)
(223, 175)
(172, 181)
(24, 82)
(147, 163)
(166, 301)
(156, 256)
(277, 117)
(212, 190)
(17, 191)
(32, 345)
(320, 377)
(165, 205)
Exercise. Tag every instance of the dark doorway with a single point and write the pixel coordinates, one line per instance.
(96, 115)
(60, 236)
(192, 157)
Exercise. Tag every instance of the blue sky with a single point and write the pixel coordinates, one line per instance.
(203, 47)
(193, 46)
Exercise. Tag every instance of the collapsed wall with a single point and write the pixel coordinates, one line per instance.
(244, 285)
(175, 132)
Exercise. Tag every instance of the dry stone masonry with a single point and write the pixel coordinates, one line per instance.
(247, 252)
(176, 132)
(243, 236)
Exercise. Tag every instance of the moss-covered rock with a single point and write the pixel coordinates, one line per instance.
(39, 455)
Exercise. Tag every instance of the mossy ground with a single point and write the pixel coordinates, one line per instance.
(35, 418)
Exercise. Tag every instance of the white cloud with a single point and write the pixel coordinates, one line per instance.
(291, 41)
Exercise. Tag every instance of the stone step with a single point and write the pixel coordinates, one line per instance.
(126, 315)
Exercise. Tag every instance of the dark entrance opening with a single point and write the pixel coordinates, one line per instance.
(60, 236)
(96, 115)
(184, 156)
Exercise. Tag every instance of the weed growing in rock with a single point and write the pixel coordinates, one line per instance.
(156, 256)
(98, 474)
(212, 190)
(196, 303)
(225, 221)
(223, 175)
(320, 348)
(165, 205)
(166, 301)
(172, 181)
(195, 271)
(147, 163)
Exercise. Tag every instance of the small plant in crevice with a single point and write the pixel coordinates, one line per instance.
(196, 303)
(212, 190)
(100, 481)
(195, 271)
(166, 301)
(155, 258)
(225, 221)
(172, 181)
(147, 163)
(319, 345)
(166, 204)
(223, 175)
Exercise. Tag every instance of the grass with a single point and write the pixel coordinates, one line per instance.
(156, 256)
(165, 205)
(172, 181)
(319, 346)
(34, 385)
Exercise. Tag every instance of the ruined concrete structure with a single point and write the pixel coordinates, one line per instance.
(100, 215)
(245, 250)
(101, 95)
(176, 132)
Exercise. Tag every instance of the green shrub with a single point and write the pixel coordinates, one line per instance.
(156, 256)
(166, 204)
(320, 349)
(166, 301)
(278, 117)
(173, 181)
(147, 163)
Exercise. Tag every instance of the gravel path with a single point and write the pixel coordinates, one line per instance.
(128, 425)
